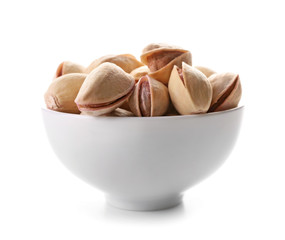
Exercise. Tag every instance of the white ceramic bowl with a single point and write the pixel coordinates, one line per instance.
(143, 163)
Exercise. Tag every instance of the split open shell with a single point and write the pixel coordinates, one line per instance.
(207, 71)
(160, 59)
(155, 46)
(119, 112)
(68, 67)
(150, 98)
(189, 90)
(137, 74)
(106, 88)
(62, 92)
(125, 61)
(226, 91)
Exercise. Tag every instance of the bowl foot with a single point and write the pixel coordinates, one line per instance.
(152, 204)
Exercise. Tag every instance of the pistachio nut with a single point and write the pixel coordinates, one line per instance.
(106, 88)
(150, 98)
(171, 111)
(125, 61)
(140, 72)
(153, 46)
(68, 67)
(119, 112)
(62, 92)
(189, 90)
(160, 58)
(207, 71)
(226, 91)
(137, 74)
(125, 105)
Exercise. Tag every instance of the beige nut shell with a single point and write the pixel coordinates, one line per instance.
(159, 97)
(62, 92)
(105, 88)
(119, 112)
(125, 61)
(153, 47)
(137, 74)
(227, 91)
(140, 72)
(194, 94)
(207, 71)
(163, 73)
(68, 67)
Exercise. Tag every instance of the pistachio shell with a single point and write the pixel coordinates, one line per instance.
(137, 74)
(106, 88)
(140, 72)
(160, 58)
(160, 46)
(126, 61)
(150, 98)
(226, 91)
(171, 111)
(190, 91)
(62, 92)
(163, 74)
(126, 106)
(119, 112)
(207, 71)
(68, 67)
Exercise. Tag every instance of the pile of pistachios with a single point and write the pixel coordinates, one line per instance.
(164, 83)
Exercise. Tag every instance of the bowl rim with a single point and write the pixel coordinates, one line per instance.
(135, 117)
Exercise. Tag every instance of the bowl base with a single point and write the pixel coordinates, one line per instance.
(145, 205)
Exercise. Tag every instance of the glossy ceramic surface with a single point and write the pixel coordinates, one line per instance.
(143, 163)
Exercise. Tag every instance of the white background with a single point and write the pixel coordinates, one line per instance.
(40, 199)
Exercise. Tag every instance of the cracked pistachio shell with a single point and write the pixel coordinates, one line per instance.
(137, 74)
(106, 88)
(226, 91)
(119, 112)
(125, 106)
(150, 98)
(207, 71)
(62, 92)
(125, 61)
(68, 67)
(156, 46)
(140, 72)
(160, 58)
(189, 90)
